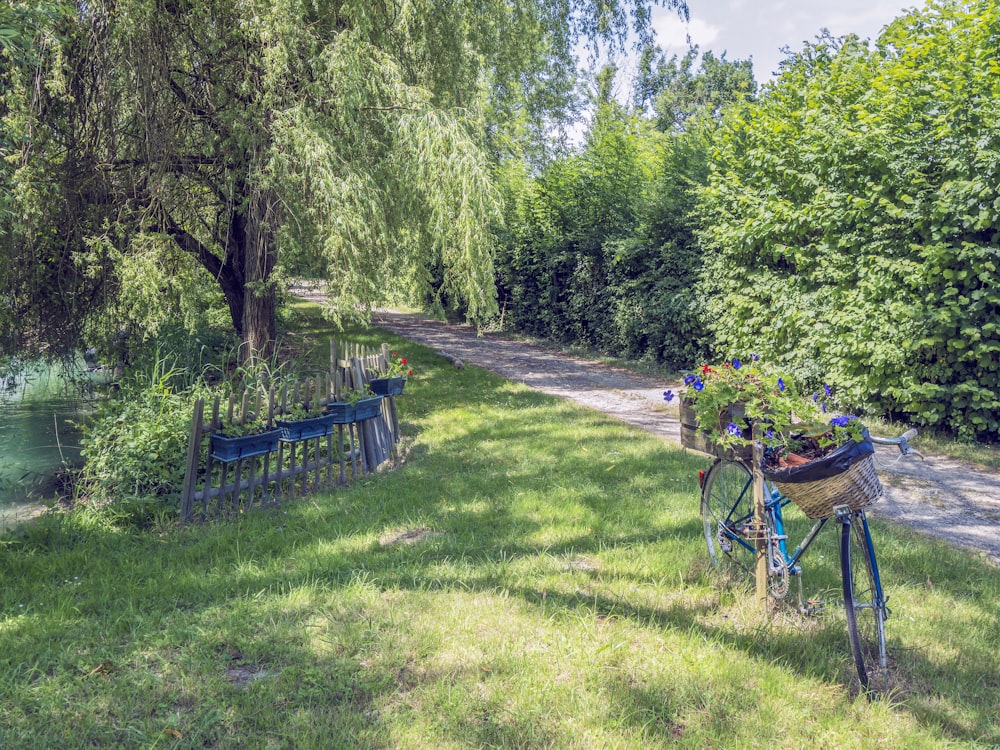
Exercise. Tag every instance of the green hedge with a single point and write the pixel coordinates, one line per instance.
(851, 221)
(598, 249)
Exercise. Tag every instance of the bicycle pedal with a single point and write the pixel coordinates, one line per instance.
(813, 607)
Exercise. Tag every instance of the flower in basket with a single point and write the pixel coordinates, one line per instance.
(807, 441)
(794, 428)
(825, 465)
(760, 392)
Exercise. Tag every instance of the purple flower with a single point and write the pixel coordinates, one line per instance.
(754, 357)
(824, 407)
(737, 364)
(769, 434)
(668, 395)
(733, 430)
(815, 397)
(842, 421)
(827, 389)
(781, 384)
(698, 385)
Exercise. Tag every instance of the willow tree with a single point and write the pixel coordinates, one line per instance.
(348, 137)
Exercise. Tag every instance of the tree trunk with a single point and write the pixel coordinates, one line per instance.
(244, 274)
(257, 327)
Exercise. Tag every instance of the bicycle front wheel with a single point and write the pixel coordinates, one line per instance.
(863, 602)
(727, 510)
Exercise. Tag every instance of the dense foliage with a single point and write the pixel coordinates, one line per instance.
(232, 142)
(851, 222)
(134, 449)
(600, 246)
(843, 223)
(570, 235)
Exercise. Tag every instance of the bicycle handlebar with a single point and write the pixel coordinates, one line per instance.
(902, 441)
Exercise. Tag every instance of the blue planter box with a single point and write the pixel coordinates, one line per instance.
(342, 412)
(292, 431)
(233, 449)
(388, 386)
(367, 408)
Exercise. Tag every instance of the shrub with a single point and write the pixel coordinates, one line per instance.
(134, 450)
(850, 223)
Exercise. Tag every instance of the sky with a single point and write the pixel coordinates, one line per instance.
(758, 29)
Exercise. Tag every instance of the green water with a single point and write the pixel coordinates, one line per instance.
(38, 404)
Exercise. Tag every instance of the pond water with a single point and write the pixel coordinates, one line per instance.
(38, 440)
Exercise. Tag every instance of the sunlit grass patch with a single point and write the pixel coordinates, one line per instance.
(533, 575)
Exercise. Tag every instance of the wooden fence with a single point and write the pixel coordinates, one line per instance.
(215, 484)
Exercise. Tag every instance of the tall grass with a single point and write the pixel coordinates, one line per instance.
(533, 576)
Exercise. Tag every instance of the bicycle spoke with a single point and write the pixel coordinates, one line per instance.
(863, 602)
(727, 510)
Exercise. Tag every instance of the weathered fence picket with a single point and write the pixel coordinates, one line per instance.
(296, 466)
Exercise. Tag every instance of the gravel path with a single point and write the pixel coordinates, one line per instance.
(938, 496)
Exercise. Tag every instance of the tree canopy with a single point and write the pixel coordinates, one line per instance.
(255, 138)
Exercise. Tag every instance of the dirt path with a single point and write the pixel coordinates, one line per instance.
(938, 496)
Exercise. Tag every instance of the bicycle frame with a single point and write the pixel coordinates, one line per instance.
(730, 517)
(773, 509)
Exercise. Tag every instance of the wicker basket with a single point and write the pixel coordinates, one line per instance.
(857, 487)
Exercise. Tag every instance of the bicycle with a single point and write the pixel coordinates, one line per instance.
(727, 508)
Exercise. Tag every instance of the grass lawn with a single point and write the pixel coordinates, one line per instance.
(534, 576)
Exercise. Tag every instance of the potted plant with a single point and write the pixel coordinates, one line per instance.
(341, 411)
(304, 422)
(815, 460)
(392, 380)
(355, 405)
(722, 402)
(825, 464)
(367, 404)
(254, 437)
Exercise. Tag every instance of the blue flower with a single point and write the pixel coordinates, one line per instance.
(698, 385)
(781, 384)
(815, 397)
(668, 395)
(823, 405)
(737, 364)
(689, 379)
(769, 434)
(827, 389)
(754, 357)
(733, 430)
(842, 421)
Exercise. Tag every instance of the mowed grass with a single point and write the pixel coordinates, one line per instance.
(532, 576)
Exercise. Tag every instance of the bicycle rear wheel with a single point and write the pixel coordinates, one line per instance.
(863, 602)
(726, 510)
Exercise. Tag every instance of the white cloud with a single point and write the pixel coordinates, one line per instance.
(672, 32)
(867, 23)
